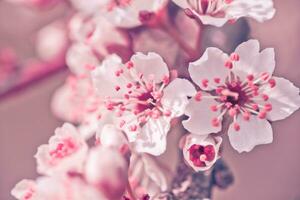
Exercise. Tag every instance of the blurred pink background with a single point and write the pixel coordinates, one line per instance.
(269, 172)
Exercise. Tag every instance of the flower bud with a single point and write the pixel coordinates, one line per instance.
(201, 152)
(107, 170)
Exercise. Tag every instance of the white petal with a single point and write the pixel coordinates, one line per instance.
(110, 136)
(254, 132)
(260, 10)
(182, 3)
(152, 138)
(23, 188)
(210, 66)
(200, 117)
(147, 172)
(107, 166)
(175, 96)
(214, 21)
(64, 106)
(252, 61)
(78, 57)
(49, 165)
(284, 97)
(128, 16)
(105, 80)
(151, 66)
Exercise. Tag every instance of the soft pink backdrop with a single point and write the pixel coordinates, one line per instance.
(269, 172)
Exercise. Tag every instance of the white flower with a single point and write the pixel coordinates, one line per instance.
(122, 13)
(25, 190)
(201, 152)
(142, 97)
(218, 12)
(146, 175)
(240, 85)
(80, 58)
(74, 100)
(98, 33)
(111, 136)
(107, 170)
(56, 188)
(65, 152)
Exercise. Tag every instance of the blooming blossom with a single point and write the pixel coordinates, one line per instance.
(218, 12)
(80, 57)
(111, 136)
(201, 152)
(99, 34)
(142, 98)
(58, 188)
(25, 190)
(122, 13)
(72, 101)
(65, 152)
(240, 86)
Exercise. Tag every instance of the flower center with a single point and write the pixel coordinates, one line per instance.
(236, 97)
(146, 97)
(63, 149)
(209, 7)
(235, 94)
(200, 155)
(140, 97)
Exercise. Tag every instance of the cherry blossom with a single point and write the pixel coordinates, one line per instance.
(65, 152)
(99, 34)
(61, 188)
(142, 97)
(240, 86)
(201, 152)
(74, 100)
(106, 169)
(25, 190)
(80, 57)
(122, 13)
(111, 136)
(218, 12)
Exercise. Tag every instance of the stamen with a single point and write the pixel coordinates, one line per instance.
(262, 114)
(198, 96)
(217, 80)
(215, 122)
(234, 56)
(236, 127)
(229, 64)
(272, 83)
(205, 83)
(268, 107)
(133, 128)
(265, 97)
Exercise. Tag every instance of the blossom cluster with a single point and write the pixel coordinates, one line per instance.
(130, 97)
